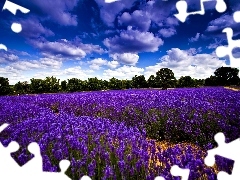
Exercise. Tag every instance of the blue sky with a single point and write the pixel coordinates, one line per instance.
(91, 38)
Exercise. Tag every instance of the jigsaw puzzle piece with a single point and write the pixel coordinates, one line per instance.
(222, 51)
(64, 165)
(5, 125)
(227, 150)
(182, 7)
(221, 6)
(159, 178)
(182, 15)
(12, 7)
(34, 165)
(177, 171)
(6, 161)
(236, 16)
(2, 46)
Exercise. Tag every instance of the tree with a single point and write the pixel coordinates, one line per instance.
(139, 81)
(37, 85)
(226, 76)
(51, 85)
(186, 81)
(151, 81)
(74, 85)
(115, 84)
(22, 87)
(165, 78)
(211, 81)
(4, 86)
(94, 84)
(64, 85)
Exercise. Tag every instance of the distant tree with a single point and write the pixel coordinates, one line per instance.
(94, 84)
(115, 83)
(105, 85)
(4, 86)
(211, 81)
(139, 81)
(199, 82)
(51, 85)
(64, 85)
(37, 86)
(165, 78)
(74, 85)
(186, 81)
(226, 76)
(22, 87)
(151, 81)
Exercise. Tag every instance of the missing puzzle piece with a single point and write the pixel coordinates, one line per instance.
(182, 7)
(177, 171)
(223, 51)
(227, 150)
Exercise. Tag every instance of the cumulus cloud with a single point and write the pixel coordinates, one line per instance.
(133, 41)
(7, 57)
(167, 32)
(32, 28)
(64, 49)
(124, 72)
(134, 20)
(183, 63)
(109, 11)
(216, 26)
(126, 58)
(57, 11)
(97, 63)
(42, 63)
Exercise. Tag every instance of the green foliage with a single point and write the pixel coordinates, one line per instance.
(22, 87)
(186, 81)
(226, 76)
(4, 86)
(165, 78)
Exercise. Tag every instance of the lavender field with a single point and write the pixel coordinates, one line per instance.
(124, 135)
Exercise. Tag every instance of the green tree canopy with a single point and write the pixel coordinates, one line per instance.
(165, 78)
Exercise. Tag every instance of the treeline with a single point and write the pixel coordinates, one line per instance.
(164, 78)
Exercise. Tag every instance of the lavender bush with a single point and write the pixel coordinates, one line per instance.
(106, 134)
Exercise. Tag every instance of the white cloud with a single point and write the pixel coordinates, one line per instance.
(42, 63)
(64, 49)
(167, 32)
(134, 20)
(126, 58)
(7, 57)
(124, 72)
(183, 63)
(113, 64)
(133, 41)
(109, 11)
(97, 63)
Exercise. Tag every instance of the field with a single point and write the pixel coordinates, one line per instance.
(128, 134)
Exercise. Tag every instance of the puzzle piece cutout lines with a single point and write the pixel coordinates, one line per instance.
(182, 9)
(12, 7)
(16, 27)
(236, 16)
(228, 150)
(223, 51)
(32, 169)
(177, 171)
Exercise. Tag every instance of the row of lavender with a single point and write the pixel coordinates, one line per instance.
(113, 127)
